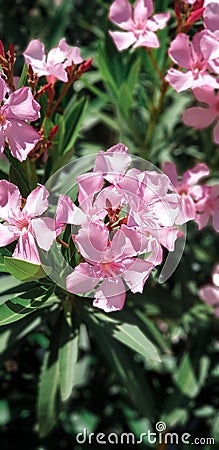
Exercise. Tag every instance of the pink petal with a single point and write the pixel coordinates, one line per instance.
(22, 138)
(205, 94)
(216, 133)
(121, 13)
(108, 198)
(3, 89)
(26, 249)
(198, 117)
(131, 182)
(113, 163)
(141, 12)
(208, 79)
(44, 231)
(137, 272)
(148, 39)
(57, 71)
(133, 241)
(180, 51)
(34, 55)
(192, 176)
(180, 81)
(166, 236)
(6, 236)
(158, 21)
(22, 106)
(71, 54)
(88, 185)
(122, 39)
(83, 279)
(117, 248)
(202, 219)
(209, 294)
(215, 220)
(68, 212)
(154, 186)
(92, 241)
(150, 6)
(10, 199)
(211, 15)
(169, 169)
(37, 202)
(209, 46)
(151, 246)
(111, 295)
(188, 206)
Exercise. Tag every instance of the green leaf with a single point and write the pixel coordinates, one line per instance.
(18, 307)
(105, 70)
(23, 77)
(186, 379)
(129, 372)
(48, 390)
(73, 121)
(23, 270)
(133, 337)
(4, 412)
(125, 99)
(8, 282)
(68, 354)
(133, 75)
(17, 174)
(3, 252)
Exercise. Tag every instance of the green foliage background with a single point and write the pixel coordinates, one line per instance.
(115, 389)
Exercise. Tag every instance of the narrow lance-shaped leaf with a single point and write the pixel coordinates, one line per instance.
(48, 390)
(23, 270)
(67, 359)
(18, 307)
(133, 337)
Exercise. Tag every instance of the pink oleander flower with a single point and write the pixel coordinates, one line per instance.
(207, 207)
(123, 220)
(202, 117)
(22, 221)
(109, 166)
(210, 292)
(211, 18)
(108, 264)
(188, 188)
(152, 213)
(15, 110)
(195, 57)
(54, 65)
(139, 25)
(211, 23)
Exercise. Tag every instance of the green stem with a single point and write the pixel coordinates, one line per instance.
(155, 112)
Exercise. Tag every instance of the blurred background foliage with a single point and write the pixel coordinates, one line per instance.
(123, 93)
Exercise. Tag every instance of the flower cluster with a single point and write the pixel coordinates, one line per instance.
(124, 219)
(196, 61)
(20, 106)
(22, 221)
(138, 25)
(199, 202)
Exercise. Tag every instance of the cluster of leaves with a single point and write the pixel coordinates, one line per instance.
(108, 367)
